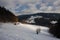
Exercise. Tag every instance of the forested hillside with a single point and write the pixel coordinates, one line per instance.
(7, 16)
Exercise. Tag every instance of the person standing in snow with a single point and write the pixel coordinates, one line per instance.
(37, 30)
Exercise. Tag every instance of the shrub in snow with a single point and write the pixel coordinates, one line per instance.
(55, 30)
(37, 30)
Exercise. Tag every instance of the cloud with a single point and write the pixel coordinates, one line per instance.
(57, 3)
(31, 6)
(12, 4)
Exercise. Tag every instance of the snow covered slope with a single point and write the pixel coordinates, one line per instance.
(9, 31)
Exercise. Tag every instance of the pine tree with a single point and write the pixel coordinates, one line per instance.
(55, 30)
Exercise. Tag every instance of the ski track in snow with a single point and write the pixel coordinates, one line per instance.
(21, 31)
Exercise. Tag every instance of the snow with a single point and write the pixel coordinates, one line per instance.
(53, 22)
(31, 19)
(9, 31)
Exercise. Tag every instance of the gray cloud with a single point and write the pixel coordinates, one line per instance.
(45, 5)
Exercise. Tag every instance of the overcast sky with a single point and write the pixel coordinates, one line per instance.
(31, 6)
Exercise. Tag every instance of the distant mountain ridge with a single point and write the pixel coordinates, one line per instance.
(44, 21)
(45, 15)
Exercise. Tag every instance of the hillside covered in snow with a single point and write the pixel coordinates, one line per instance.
(21, 31)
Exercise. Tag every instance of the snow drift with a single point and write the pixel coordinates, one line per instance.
(9, 31)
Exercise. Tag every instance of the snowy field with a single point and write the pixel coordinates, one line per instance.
(21, 31)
